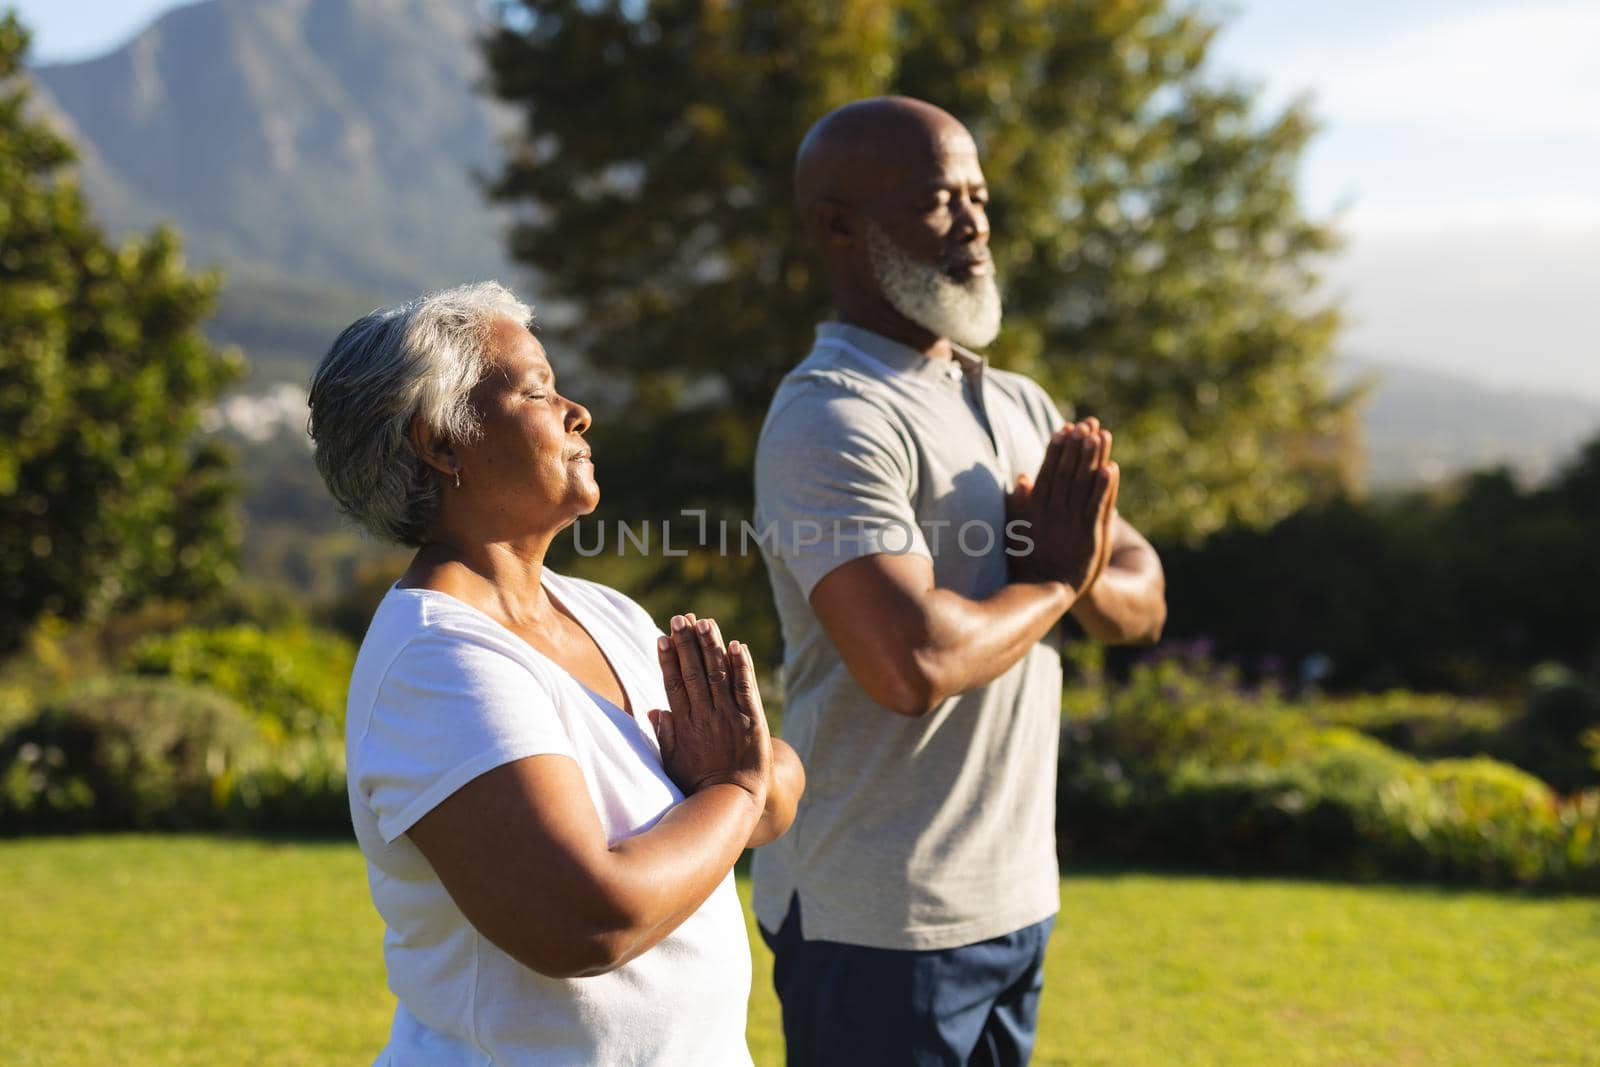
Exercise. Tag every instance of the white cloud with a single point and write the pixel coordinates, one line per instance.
(1526, 69)
(1496, 302)
(1528, 215)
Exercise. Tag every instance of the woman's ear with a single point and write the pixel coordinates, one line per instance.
(434, 449)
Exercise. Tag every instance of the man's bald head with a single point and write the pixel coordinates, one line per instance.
(892, 193)
(862, 149)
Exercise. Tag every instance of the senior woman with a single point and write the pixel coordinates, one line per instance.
(555, 874)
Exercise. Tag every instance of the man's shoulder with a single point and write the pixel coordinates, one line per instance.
(824, 396)
(825, 373)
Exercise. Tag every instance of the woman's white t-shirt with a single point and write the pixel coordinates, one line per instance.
(442, 693)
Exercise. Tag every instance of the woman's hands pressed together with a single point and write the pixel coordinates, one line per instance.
(715, 729)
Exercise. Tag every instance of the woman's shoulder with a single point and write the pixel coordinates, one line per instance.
(411, 613)
(414, 624)
(426, 643)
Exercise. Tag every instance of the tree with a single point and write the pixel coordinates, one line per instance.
(103, 377)
(1157, 268)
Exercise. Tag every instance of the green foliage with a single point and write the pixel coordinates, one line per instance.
(123, 753)
(292, 680)
(1458, 591)
(143, 753)
(1182, 766)
(1548, 738)
(103, 376)
(296, 783)
(220, 725)
(1422, 724)
(1157, 267)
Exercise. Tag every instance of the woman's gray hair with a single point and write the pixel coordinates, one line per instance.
(420, 358)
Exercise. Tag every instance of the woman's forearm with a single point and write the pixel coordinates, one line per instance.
(783, 796)
(658, 878)
(522, 852)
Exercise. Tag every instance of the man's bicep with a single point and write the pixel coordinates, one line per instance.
(858, 594)
(872, 610)
(834, 484)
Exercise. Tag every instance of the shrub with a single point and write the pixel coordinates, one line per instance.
(293, 680)
(1423, 724)
(300, 786)
(124, 753)
(1548, 737)
(140, 753)
(1170, 710)
(1183, 766)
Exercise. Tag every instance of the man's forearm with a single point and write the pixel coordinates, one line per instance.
(1127, 604)
(910, 644)
(971, 643)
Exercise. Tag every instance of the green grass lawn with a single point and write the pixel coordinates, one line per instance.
(194, 950)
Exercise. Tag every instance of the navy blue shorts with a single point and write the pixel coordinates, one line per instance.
(845, 1005)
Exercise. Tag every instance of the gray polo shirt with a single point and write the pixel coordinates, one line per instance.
(918, 833)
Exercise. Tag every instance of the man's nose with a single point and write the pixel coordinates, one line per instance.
(973, 222)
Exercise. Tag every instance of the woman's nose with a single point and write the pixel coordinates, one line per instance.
(578, 420)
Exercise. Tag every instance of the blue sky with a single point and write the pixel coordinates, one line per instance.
(77, 29)
(1460, 155)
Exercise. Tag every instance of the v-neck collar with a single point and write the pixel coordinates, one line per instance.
(567, 603)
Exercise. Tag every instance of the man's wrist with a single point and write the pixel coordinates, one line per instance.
(756, 797)
(1062, 593)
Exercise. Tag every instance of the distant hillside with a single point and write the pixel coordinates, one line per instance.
(1423, 427)
(296, 141)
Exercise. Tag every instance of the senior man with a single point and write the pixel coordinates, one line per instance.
(934, 519)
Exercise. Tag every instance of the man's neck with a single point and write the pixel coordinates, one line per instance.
(877, 316)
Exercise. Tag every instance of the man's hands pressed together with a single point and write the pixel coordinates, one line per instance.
(1118, 588)
(1069, 510)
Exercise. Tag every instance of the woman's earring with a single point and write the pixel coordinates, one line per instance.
(458, 479)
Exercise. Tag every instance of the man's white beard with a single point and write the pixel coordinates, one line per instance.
(967, 313)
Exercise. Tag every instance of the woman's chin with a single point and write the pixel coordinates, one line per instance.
(588, 497)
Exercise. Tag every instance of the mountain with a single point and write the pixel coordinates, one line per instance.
(1423, 427)
(306, 146)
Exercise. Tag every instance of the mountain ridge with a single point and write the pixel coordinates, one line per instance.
(1424, 426)
(327, 140)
